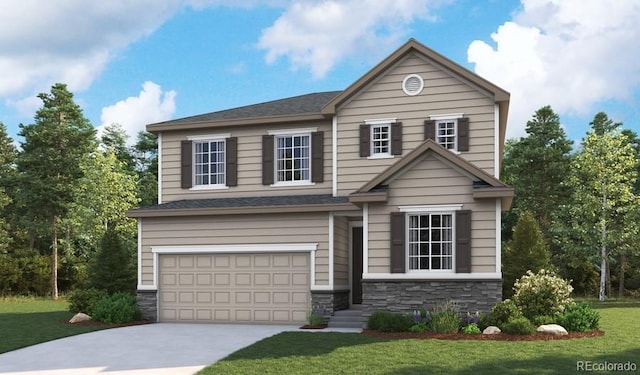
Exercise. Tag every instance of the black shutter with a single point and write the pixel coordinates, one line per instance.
(396, 138)
(365, 140)
(397, 234)
(267, 160)
(463, 241)
(463, 134)
(186, 170)
(430, 129)
(231, 161)
(317, 157)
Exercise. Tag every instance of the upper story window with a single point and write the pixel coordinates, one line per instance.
(293, 158)
(446, 134)
(451, 131)
(381, 138)
(209, 162)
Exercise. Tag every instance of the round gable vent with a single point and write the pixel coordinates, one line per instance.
(412, 84)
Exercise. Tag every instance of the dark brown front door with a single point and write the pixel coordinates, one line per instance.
(356, 265)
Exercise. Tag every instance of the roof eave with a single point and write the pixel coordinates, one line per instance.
(205, 124)
(142, 213)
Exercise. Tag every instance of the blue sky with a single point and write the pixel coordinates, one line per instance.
(139, 62)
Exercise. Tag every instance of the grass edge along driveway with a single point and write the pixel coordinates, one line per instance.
(340, 353)
(28, 321)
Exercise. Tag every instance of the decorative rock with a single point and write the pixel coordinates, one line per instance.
(491, 330)
(552, 329)
(79, 317)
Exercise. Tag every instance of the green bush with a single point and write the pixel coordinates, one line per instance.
(85, 300)
(542, 293)
(385, 321)
(471, 329)
(518, 326)
(502, 312)
(445, 318)
(117, 308)
(544, 319)
(579, 317)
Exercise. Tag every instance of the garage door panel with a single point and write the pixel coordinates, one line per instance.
(261, 288)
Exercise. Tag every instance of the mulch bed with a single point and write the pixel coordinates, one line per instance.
(462, 336)
(95, 323)
(314, 326)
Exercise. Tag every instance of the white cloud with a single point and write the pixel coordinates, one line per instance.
(133, 113)
(314, 35)
(44, 42)
(571, 54)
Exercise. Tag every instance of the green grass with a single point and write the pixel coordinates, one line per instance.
(30, 321)
(339, 353)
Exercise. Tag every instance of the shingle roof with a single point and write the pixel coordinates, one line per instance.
(287, 200)
(309, 103)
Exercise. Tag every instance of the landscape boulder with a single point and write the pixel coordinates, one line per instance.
(552, 329)
(79, 317)
(491, 330)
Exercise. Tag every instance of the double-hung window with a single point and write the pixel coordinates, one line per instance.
(430, 241)
(446, 134)
(209, 162)
(380, 140)
(293, 158)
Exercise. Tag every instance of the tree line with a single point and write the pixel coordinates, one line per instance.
(575, 209)
(62, 190)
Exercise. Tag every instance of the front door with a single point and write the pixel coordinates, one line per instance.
(356, 265)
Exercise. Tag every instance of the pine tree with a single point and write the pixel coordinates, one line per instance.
(527, 250)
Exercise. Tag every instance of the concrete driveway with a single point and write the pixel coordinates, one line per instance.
(157, 349)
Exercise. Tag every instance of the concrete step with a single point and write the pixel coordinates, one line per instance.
(347, 319)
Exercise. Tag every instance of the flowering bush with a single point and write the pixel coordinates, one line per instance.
(542, 293)
(471, 328)
(420, 321)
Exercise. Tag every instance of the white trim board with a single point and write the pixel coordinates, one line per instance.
(249, 248)
(434, 276)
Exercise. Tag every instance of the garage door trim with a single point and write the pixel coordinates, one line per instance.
(234, 249)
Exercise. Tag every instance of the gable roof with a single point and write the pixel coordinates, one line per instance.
(486, 185)
(298, 108)
(500, 96)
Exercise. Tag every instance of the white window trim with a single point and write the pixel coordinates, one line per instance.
(433, 276)
(453, 238)
(449, 116)
(431, 208)
(210, 138)
(380, 121)
(291, 133)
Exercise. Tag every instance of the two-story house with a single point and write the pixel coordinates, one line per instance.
(384, 195)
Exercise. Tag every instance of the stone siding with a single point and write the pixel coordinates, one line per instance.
(148, 304)
(330, 301)
(406, 296)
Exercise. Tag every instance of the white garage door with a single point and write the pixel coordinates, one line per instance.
(245, 288)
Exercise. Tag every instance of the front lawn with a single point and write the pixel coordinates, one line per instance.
(30, 321)
(337, 353)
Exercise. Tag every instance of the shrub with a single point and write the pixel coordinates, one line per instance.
(542, 293)
(421, 321)
(117, 308)
(544, 319)
(502, 312)
(579, 317)
(518, 326)
(445, 318)
(385, 321)
(84, 300)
